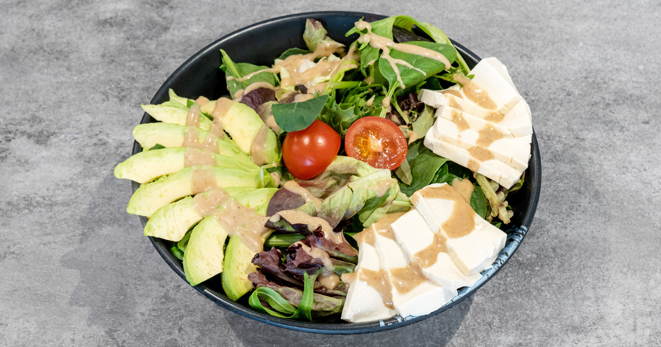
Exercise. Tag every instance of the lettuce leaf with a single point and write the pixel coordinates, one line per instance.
(239, 70)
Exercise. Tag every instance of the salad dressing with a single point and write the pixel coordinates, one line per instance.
(487, 136)
(462, 218)
(192, 139)
(300, 217)
(429, 256)
(258, 146)
(463, 187)
(257, 85)
(385, 44)
(382, 226)
(193, 117)
(329, 280)
(452, 102)
(380, 281)
(317, 253)
(452, 92)
(370, 101)
(382, 186)
(475, 93)
(459, 121)
(405, 279)
(240, 220)
(473, 165)
(296, 188)
(194, 157)
(203, 179)
(413, 136)
(220, 109)
(202, 101)
(208, 201)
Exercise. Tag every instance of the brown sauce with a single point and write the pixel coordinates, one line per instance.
(299, 217)
(380, 281)
(405, 279)
(193, 117)
(495, 117)
(318, 254)
(452, 92)
(488, 135)
(382, 187)
(194, 157)
(459, 121)
(202, 101)
(192, 139)
(258, 146)
(296, 188)
(219, 111)
(367, 236)
(462, 218)
(349, 277)
(240, 220)
(473, 165)
(328, 280)
(428, 256)
(480, 153)
(452, 102)
(203, 179)
(257, 85)
(206, 202)
(463, 187)
(475, 93)
(382, 227)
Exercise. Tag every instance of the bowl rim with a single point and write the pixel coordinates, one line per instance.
(516, 234)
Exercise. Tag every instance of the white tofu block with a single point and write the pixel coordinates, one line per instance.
(363, 302)
(501, 69)
(472, 253)
(414, 235)
(425, 298)
(516, 122)
(496, 170)
(513, 151)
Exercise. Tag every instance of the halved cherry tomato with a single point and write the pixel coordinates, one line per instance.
(308, 152)
(376, 141)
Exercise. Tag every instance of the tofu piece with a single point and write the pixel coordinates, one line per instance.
(496, 170)
(414, 235)
(363, 302)
(501, 69)
(515, 123)
(513, 151)
(473, 252)
(423, 298)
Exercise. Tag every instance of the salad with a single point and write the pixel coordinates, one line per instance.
(355, 182)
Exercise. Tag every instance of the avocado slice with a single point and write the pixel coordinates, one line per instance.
(146, 166)
(203, 258)
(236, 268)
(173, 112)
(173, 135)
(243, 124)
(172, 221)
(152, 196)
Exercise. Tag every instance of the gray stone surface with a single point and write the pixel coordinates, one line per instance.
(75, 269)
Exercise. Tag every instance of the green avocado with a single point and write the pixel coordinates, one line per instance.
(173, 135)
(243, 124)
(203, 258)
(173, 112)
(152, 196)
(146, 166)
(172, 221)
(238, 265)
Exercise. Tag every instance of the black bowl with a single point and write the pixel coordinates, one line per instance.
(259, 44)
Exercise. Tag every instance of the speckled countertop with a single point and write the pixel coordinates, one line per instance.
(76, 270)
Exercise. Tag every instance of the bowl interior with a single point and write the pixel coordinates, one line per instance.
(260, 44)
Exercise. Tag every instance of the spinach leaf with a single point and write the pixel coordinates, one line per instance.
(298, 115)
(423, 168)
(479, 202)
(404, 172)
(157, 146)
(428, 65)
(433, 84)
(293, 51)
(424, 122)
(239, 70)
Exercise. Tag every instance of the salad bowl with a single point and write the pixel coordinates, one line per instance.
(259, 44)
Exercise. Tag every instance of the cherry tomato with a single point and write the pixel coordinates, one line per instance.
(376, 141)
(308, 152)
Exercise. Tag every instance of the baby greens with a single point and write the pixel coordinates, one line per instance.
(297, 116)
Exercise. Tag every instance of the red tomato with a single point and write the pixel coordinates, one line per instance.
(308, 152)
(376, 141)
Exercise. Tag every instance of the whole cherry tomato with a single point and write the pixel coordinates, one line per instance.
(308, 152)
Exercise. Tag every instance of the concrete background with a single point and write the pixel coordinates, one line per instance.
(76, 270)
